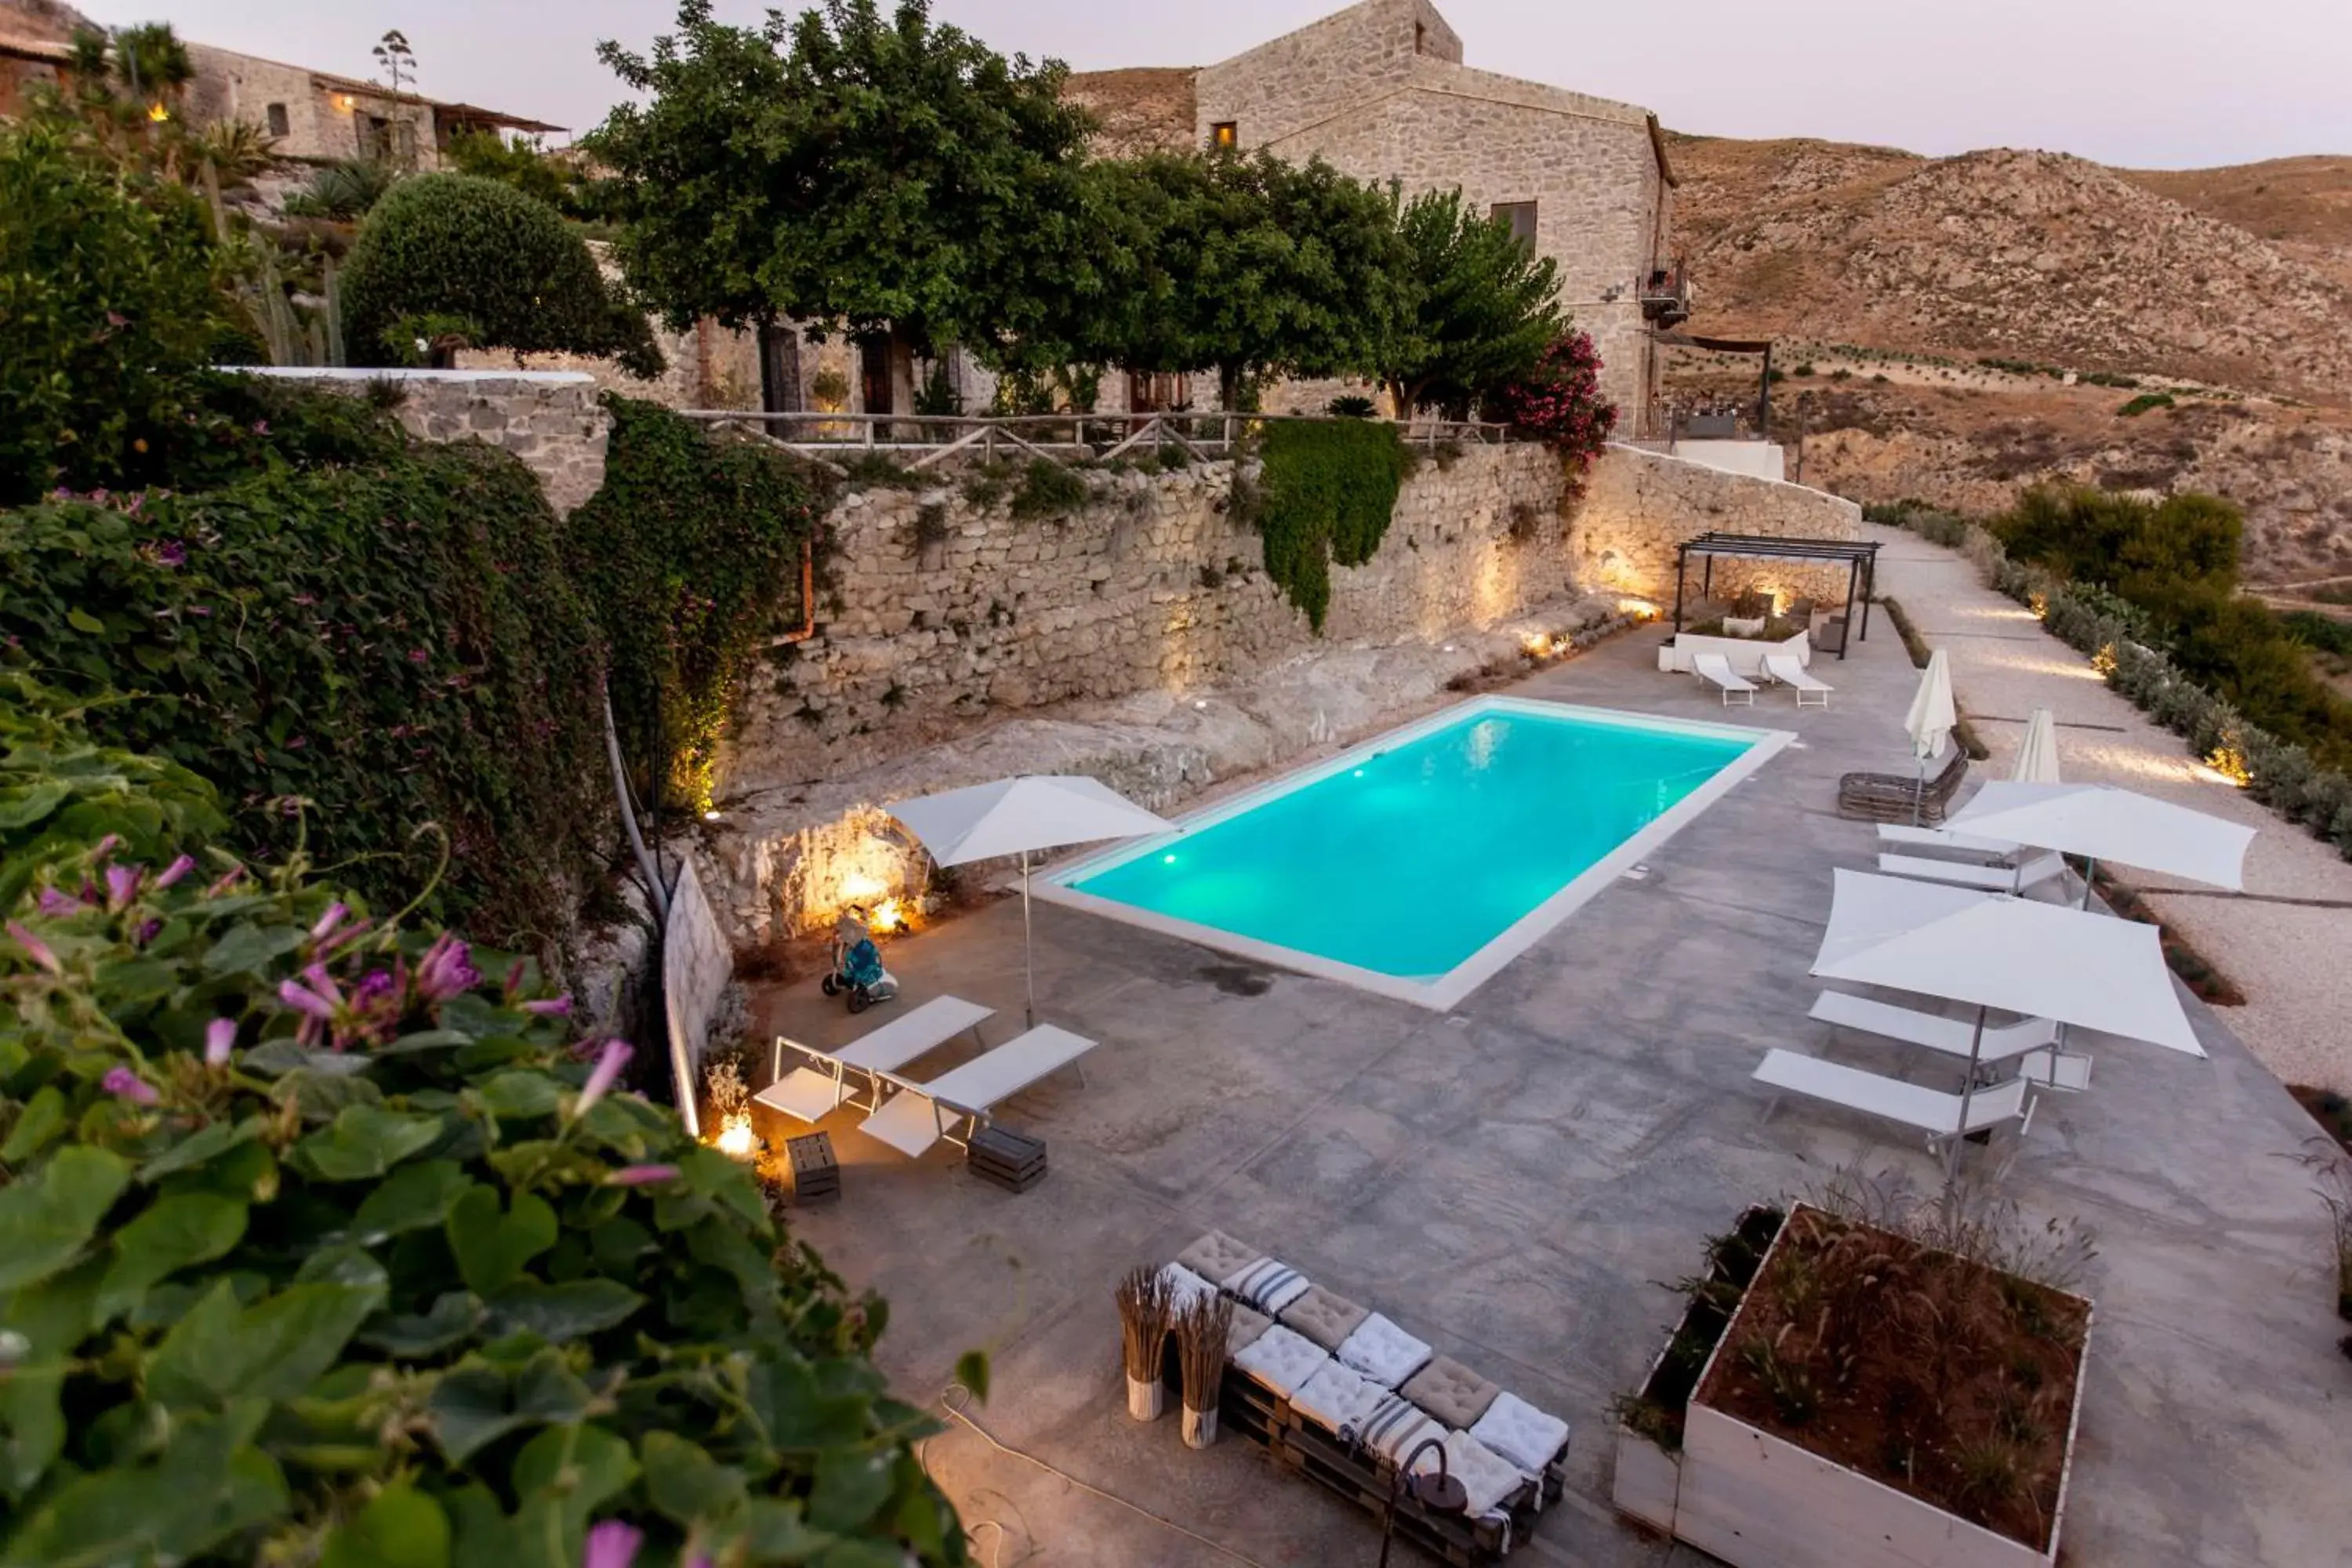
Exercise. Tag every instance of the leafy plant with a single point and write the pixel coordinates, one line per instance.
(1048, 490)
(691, 556)
(2145, 402)
(1327, 494)
(1482, 308)
(1350, 407)
(320, 1246)
(523, 164)
(1559, 403)
(456, 246)
(345, 191)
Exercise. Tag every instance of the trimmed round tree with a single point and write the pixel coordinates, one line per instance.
(445, 253)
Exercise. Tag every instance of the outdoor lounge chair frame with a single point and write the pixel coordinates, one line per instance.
(1895, 797)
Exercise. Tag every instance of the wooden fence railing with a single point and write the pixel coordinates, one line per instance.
(924, 440)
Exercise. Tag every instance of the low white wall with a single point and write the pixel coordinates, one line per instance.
(1758, 459)
(696, 964)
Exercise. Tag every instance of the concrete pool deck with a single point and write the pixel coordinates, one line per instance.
(1507, 1180)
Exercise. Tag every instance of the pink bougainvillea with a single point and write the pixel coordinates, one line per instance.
(1559, 403)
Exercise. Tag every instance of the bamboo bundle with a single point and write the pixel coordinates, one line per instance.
(1143, 1314)
(1202, 1329)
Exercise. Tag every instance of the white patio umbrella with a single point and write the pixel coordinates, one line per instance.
(2037, 754)
(2100, 822)
(1929, 723)
(1998, 951)
(1020, 817)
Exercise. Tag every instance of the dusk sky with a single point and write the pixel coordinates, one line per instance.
(2142, 83)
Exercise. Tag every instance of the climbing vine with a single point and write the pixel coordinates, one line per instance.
(1326, 493)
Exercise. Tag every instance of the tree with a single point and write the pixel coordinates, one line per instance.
(396, 60)
(446, 248)
(1246, 264)
(1484, 306)
(890, 176)
(1560, 402)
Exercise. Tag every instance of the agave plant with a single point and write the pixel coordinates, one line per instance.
(343, 191)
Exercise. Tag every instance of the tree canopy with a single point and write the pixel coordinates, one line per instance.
(842, 168)
(1484, 307)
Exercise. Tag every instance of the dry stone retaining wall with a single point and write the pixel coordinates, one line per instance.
(1638, 505)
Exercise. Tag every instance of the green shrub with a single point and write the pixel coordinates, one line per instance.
(319, 1246)
(327, 614)
(457, 246)
(1326, 493)
(691, 556)
(1350, 407)
(105, 313)
(2144, 402)
(345, 191)
(1048, 490)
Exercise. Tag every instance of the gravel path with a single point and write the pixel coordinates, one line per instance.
(2294, 962)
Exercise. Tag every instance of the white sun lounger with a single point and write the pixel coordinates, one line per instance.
(2035, 869)
(1784, 668)
(920, 1114)
(1716, 669)
(2033, 1044)
(1945, 839)
(1928, 1110)
(832, 1079)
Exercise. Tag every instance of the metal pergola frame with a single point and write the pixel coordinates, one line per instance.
(1861, 557)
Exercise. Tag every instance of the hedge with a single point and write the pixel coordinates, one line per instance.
(1326, 493)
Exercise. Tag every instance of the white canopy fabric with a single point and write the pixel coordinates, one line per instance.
(1929, 723)
(2037, 754)
(1993, 949)
(2100, 822)
(1022, 816)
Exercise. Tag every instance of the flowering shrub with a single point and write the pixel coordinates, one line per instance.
(318, 1245)
(1561, 403)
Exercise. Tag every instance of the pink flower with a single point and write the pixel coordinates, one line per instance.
(327, 922)
(220, 1038)
(36, 949)
(611, 1544)
(447, 969)
(601, 1077)
(57, 904)
(642, 1175)
(124, 1084)
(122, 886)
(105, 847)
(308, 1003)
(228, 879)
(174, 871)
(550, 1008)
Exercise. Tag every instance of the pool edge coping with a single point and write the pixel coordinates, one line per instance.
(1439, 993)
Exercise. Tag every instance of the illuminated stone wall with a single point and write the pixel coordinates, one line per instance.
(1640, 504)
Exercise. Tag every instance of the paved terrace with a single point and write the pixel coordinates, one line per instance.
(1508, 1182)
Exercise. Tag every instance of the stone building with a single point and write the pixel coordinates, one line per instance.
(1380, 91)
(318, 116)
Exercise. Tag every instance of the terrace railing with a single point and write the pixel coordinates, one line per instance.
(926, 440)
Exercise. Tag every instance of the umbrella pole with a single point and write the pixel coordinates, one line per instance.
(1028, 946)
(1919, 791)
(1968, 1092)
(2090, 872)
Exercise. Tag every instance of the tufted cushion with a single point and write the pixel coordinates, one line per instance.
(1248, 1325)
(1326, 1319)
(1281, 1360)
(1451, 1391)
(1396, 1427)
(1520, 1433)
(1382, 1352)
(1269, 1285)
(1336, 1399)
(1218, 1257)
(1487, 1476)
(1185, 1287)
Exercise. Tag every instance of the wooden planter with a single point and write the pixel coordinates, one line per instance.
(1757, 1500)
(1745, 655)
(1649, 1479)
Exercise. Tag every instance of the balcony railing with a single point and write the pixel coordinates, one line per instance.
(925, 440)
(1665, 296)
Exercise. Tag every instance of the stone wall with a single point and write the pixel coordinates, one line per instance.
(938, 611)
(1638, 505)
(550, 420)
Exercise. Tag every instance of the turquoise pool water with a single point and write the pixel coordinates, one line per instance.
(1408, 861)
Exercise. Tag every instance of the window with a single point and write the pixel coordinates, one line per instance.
(1520, 215)
(275, 114)
(1224, 133)
(1419, 38)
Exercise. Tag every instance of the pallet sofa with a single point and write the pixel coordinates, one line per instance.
(1342, 1397)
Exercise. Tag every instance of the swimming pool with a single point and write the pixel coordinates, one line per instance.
(1419, 864)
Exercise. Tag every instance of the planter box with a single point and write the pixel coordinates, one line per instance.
(1648, 1483)
(1745, 654)
(1757, 1500)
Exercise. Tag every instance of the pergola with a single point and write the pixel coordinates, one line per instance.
(1860, 558)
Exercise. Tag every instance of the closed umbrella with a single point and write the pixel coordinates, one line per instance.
(1929, 723)
(1996, 950)
(2037, 754)
(1022, 816)
(2100, 822)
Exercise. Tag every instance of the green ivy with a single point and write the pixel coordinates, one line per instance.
(1327, 492)
(691, 554)
(384, 632)
(318, 1246)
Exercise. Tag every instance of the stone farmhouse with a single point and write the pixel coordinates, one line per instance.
(1379, 90)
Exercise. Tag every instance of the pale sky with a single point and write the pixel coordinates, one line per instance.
(2141, 83)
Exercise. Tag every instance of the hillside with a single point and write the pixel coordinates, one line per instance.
(1890, 278)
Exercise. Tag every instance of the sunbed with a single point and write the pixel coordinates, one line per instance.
(1944, 838)
(2032, 871)
(1784, 668)
(1929, 1110)
(2033, 1044)
(832, 1078)
(1715, 669)
(920, 1114)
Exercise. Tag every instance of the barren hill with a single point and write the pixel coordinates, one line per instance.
(2222, 297)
